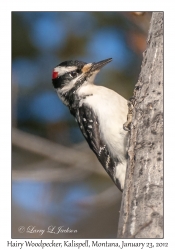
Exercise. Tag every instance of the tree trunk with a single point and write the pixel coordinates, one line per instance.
(141, 214)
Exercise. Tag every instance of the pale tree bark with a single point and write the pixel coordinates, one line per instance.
(141, 214)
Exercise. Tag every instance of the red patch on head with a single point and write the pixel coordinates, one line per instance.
(54, 75)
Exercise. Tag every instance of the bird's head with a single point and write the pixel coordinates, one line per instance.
(68, 76)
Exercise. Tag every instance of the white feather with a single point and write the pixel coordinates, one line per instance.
(64, 69)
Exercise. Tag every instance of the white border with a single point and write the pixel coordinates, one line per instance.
(5, 98)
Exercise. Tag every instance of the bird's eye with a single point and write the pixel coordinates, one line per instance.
(73, 74)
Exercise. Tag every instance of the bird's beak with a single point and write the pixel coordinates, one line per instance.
(95, 67)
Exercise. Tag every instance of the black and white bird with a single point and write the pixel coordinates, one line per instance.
(99, 111)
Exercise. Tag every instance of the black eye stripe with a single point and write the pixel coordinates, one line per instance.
(61, 81)
(73, 73)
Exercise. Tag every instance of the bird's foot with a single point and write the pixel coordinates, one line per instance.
(127, 124)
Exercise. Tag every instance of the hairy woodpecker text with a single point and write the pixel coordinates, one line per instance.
(99, 111)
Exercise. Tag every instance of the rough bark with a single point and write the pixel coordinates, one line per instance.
(141, 214)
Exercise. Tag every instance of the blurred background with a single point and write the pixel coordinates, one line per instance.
(56, 179)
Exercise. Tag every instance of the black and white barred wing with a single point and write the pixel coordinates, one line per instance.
(89, 125)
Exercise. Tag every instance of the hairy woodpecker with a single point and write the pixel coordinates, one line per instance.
(99, 111)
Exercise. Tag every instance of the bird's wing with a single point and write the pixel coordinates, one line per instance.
(89, 125)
